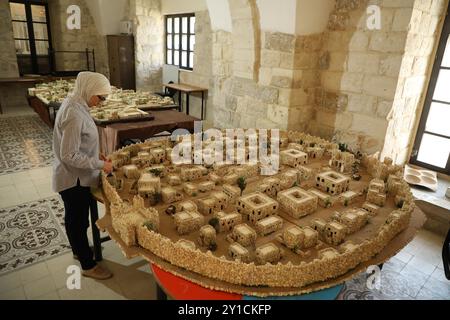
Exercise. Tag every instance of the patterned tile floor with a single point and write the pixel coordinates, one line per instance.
(415, 273)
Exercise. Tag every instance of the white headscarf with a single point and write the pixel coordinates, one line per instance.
(89, 84)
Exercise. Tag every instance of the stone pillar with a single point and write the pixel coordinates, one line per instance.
(8, 59)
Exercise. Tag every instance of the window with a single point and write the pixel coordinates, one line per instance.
(31, 30)
(180, 40)
(432, 145)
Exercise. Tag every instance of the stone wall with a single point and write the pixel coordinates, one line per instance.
(76, 40)
(421, 44)
(201, 75)
(8, 60)
(149, 42)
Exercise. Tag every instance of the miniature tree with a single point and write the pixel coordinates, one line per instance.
(328, 202)
(171, 210)
(149, 225)
(242, 184)
(346, 202)
(215, 223)
(212, 246)
(156, 172)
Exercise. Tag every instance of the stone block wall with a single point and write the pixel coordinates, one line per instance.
(8, 60)
(76, 40)
(149, 43)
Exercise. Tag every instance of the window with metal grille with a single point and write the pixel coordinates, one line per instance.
(180, 40)
(432, 146)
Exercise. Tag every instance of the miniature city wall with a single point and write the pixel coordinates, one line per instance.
(324, 213)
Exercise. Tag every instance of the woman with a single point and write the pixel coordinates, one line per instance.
(78, 163)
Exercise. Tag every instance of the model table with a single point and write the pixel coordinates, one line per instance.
(188, 89)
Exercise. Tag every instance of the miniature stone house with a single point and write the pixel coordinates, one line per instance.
(295, 146)
(354, 220)
(145, 159)
(244, 235)
(311, 237)
(158, 155)
(190, 189)
(215, 178)
(171, 195)
(206, 186)
(159, 170)
(222, 199)
(297, 202)
(131, 171)
(371, 208)
(293, 158)
(121, 159)
(228, 221)
(270, 186)
(230, 179)
(319, 225)
(293, 237)
(376, 193)
(233, 193)
(207, 236)
(289, 179)
(149, 185)
(348, 197)
(334, 233)
(207, 206)
(188, 221)
(269, 225)
(187, 205)
(238, 252)
(328, 253)
(257, 206)
(174, 180)
(304, 173)
(191, 173)
(332, 182)
(315, 152)
(393, 184)
(342, 161)
(268, 253)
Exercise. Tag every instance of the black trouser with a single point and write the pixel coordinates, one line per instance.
(76, 205)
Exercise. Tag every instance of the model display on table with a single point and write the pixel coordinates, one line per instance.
(322, 214)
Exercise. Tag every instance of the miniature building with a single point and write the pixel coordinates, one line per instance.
(121, 159)
(304, 173)
(342, 161)
(238, 252)
(207, 236)
(191, 173)
(328, 253)
(371, 208)
(187, 205)
(207, 206)
(230, 179)
(206, 186)
(228, 221)
(324, 200)
(394, 184)
(354, 220)
(269, 225)
(170, 195)
(232, 192)
(158, 170)
(348, 197)
(376, 194)
(293, 158)
(145, 159)
(289, 179)
(215, 178)
(295, 146)
(188, 221)
(158, 155)
(311, 237)
(270, 186)
(332, 182)
(244, 235)
(222, 199)
(174, 180)
(293, 237)
(131, 171)
(256, 206)
(297, 202)
(268, 253)
(190, 189)
(334, 233)
(315, 152)
(149, 185)
(319, 225)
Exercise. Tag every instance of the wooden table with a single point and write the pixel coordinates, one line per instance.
(112, 135)
(188, 89)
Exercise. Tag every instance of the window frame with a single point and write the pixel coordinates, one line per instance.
(437, 67)
(190, 64)
(31, 38)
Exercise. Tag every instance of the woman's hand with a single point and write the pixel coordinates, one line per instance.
(108, 167)
(103, 157)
